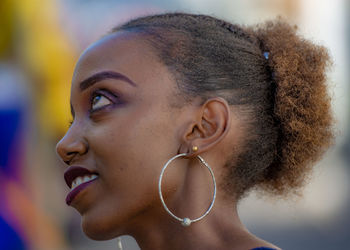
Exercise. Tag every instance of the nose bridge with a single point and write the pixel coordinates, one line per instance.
(72, 143)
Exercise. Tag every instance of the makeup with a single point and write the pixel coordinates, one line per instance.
(72, 194)
(77, 179)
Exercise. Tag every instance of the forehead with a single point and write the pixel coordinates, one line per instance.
(124, 52)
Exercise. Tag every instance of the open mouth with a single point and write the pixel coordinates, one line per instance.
(77, 178)
(80, 180)
(75, 175)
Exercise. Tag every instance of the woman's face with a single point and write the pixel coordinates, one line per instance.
(124, 130)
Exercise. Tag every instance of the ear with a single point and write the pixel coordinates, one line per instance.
(212, 123)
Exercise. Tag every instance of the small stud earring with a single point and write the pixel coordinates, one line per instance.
(194, 148)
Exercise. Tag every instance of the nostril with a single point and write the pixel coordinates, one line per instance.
(69, 157)
(69, 147)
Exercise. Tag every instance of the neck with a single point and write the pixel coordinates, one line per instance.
(215, 229)
(220, 229)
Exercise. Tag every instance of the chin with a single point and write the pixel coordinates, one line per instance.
(97, 230)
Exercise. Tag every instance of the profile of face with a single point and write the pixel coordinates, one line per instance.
(124, 130)
(130, 116)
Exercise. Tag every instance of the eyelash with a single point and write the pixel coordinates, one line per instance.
(100, 92)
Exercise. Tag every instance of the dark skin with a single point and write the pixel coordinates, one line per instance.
(126, 129)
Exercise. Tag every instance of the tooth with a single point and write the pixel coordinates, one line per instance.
(79, 180)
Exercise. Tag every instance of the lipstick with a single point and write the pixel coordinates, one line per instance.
(77, 179)
(72, 194)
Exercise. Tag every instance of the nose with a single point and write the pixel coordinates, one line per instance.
(71, 146)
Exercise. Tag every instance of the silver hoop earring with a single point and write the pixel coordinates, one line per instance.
(186, 221)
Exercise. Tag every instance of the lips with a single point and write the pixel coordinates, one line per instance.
(73, 172)
(75, 176)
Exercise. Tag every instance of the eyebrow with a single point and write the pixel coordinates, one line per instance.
(88, 82)
(102, 76)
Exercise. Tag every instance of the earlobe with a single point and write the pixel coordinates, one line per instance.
(211, 126)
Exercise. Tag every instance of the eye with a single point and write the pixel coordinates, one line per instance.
(99, 101)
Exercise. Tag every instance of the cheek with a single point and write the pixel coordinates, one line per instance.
(129, 159)
(140, 131)
(133, 147)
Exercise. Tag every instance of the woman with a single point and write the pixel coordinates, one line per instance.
(233, 108)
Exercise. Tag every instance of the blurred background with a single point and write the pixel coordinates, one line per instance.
(40, 41)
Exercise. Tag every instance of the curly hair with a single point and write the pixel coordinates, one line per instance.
(274, 77)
